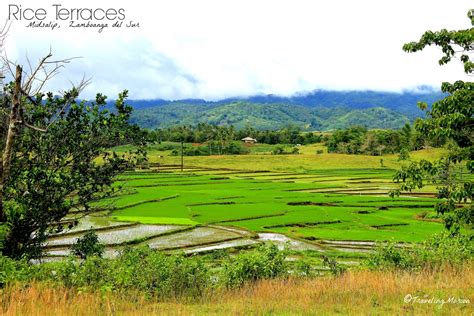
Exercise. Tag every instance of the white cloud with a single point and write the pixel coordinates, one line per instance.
(215, 49)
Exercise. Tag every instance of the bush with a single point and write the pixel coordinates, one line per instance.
(150, 272)
(263, 263)
(303, 268)
(88, 245)
(389, 255)
(14, 270)
(159, 274)
(335, 267)
(280, 150)
(233, 148)
(404, 154)
(142, 269)
(441, 249)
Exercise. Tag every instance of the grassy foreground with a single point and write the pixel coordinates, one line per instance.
(355, 293)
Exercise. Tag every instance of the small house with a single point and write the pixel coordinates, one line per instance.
(249, 140)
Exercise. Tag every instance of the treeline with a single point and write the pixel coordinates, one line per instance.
(359, 140)
(354, 140)
(223, 135)
(212, 148)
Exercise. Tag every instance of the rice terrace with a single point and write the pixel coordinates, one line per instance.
(203, 208)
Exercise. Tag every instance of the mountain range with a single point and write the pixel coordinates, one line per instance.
(317, 110)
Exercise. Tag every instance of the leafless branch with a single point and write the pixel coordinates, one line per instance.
(35, 79)
(45, 70)
(29, 63)
(82, 84)
(39, 129)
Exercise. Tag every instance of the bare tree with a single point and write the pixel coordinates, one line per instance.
(27, 84)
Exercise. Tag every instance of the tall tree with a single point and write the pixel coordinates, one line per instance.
(57, 157)
(451, 117)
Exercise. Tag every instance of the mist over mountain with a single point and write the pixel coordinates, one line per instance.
(317, 110)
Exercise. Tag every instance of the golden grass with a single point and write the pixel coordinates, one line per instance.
(307, 160)
(297, 163)
(355, 293)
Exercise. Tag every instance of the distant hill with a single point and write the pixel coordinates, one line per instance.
(319, 110)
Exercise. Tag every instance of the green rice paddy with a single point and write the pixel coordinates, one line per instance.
(326, 202)
(312, 205)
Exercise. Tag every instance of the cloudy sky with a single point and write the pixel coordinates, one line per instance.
(222, 48)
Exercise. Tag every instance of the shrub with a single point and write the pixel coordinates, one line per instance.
(137, 269)
(441, 249)
(303, 268)
(263, 263)
(160, 275)
(88, 245)
(280, 150)
(14, 270)
(335, 268)
(389, 255)
(150, 272)
(404, 154)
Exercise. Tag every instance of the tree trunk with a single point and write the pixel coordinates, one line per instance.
(13, 120)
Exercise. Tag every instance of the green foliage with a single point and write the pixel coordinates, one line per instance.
(273, 116)
(159, 274)
(372, 118)
(335, 268)
(219, 138)
(347, 141)
(451, 118)
(3, 234)
(404, 154)
(453, 44)
(280, 150)
(141, 269)
(303, 268)
(358, 140)
(389, 255)
(14, 270)
(230, 148)
(88, 245)
(150, 272)
(68, 165)
(453, 188)
(264, 263)
(441, 249)
(238, 114)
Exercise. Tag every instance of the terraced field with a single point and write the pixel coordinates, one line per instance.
(331, 204)
(203, 209)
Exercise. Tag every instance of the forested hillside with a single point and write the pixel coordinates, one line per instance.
(319, 110)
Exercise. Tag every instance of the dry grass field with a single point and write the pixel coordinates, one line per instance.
(354, 293)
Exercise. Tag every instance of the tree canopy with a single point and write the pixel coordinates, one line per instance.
(61, 161)
(451, 117)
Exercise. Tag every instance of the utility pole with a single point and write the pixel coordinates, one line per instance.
(182, 155)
